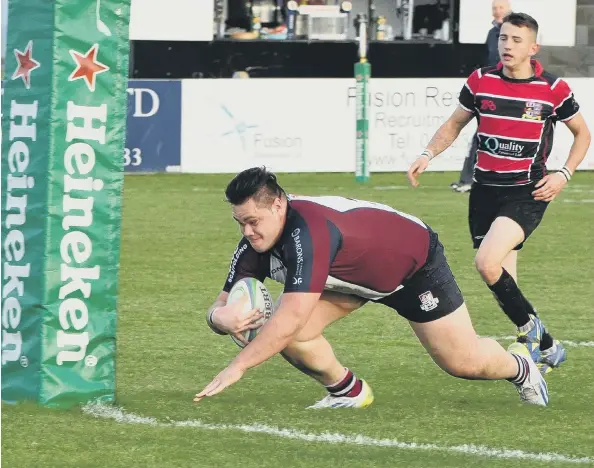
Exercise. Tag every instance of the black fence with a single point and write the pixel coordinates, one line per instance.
(301, 59)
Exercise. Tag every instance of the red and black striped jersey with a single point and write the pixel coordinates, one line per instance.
(516, 121)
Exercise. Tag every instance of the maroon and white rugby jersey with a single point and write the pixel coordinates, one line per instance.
(338, 244)
(516, 122)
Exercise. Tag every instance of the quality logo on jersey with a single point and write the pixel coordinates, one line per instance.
(504, 149)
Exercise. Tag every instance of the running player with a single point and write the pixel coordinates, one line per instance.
(333, 254)
(517, 105)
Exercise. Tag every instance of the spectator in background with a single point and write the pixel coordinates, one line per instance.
(500, 9)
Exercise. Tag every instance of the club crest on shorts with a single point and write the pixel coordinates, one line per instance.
(428, 302)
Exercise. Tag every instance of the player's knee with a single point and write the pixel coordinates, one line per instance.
(489, 270)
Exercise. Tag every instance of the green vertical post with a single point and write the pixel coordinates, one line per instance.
(63, 135)
(362, 75)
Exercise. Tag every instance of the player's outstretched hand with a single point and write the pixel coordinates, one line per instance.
(549, 187)
(226, 378)
(416, 169)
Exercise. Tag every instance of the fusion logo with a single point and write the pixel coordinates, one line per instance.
(240, 128)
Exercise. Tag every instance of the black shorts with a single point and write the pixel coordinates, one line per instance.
(429, 294)
(517, 203)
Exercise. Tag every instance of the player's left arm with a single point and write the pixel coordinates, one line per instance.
(567, 111)
(581, 142)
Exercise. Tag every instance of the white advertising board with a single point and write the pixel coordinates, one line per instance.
(289, 125)
(297, 125)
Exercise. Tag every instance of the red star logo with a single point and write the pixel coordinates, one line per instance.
(87, 66)
(26, 64)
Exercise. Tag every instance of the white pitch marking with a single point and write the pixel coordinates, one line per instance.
(104, 411)
(571, 344)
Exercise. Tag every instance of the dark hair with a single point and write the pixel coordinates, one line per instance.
(522, 20)
(257, 183)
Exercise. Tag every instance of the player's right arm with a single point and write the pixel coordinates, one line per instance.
(309, 246)
(449, 131)
(229, 319)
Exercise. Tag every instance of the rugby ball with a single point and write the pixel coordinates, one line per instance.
(258, 298)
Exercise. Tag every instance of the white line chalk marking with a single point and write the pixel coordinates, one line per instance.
(570, 344)
(118, 415)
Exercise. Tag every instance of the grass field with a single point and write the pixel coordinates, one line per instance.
(178, 237)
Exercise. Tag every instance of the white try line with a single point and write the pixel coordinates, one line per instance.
(571, 344)
(99, 410)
